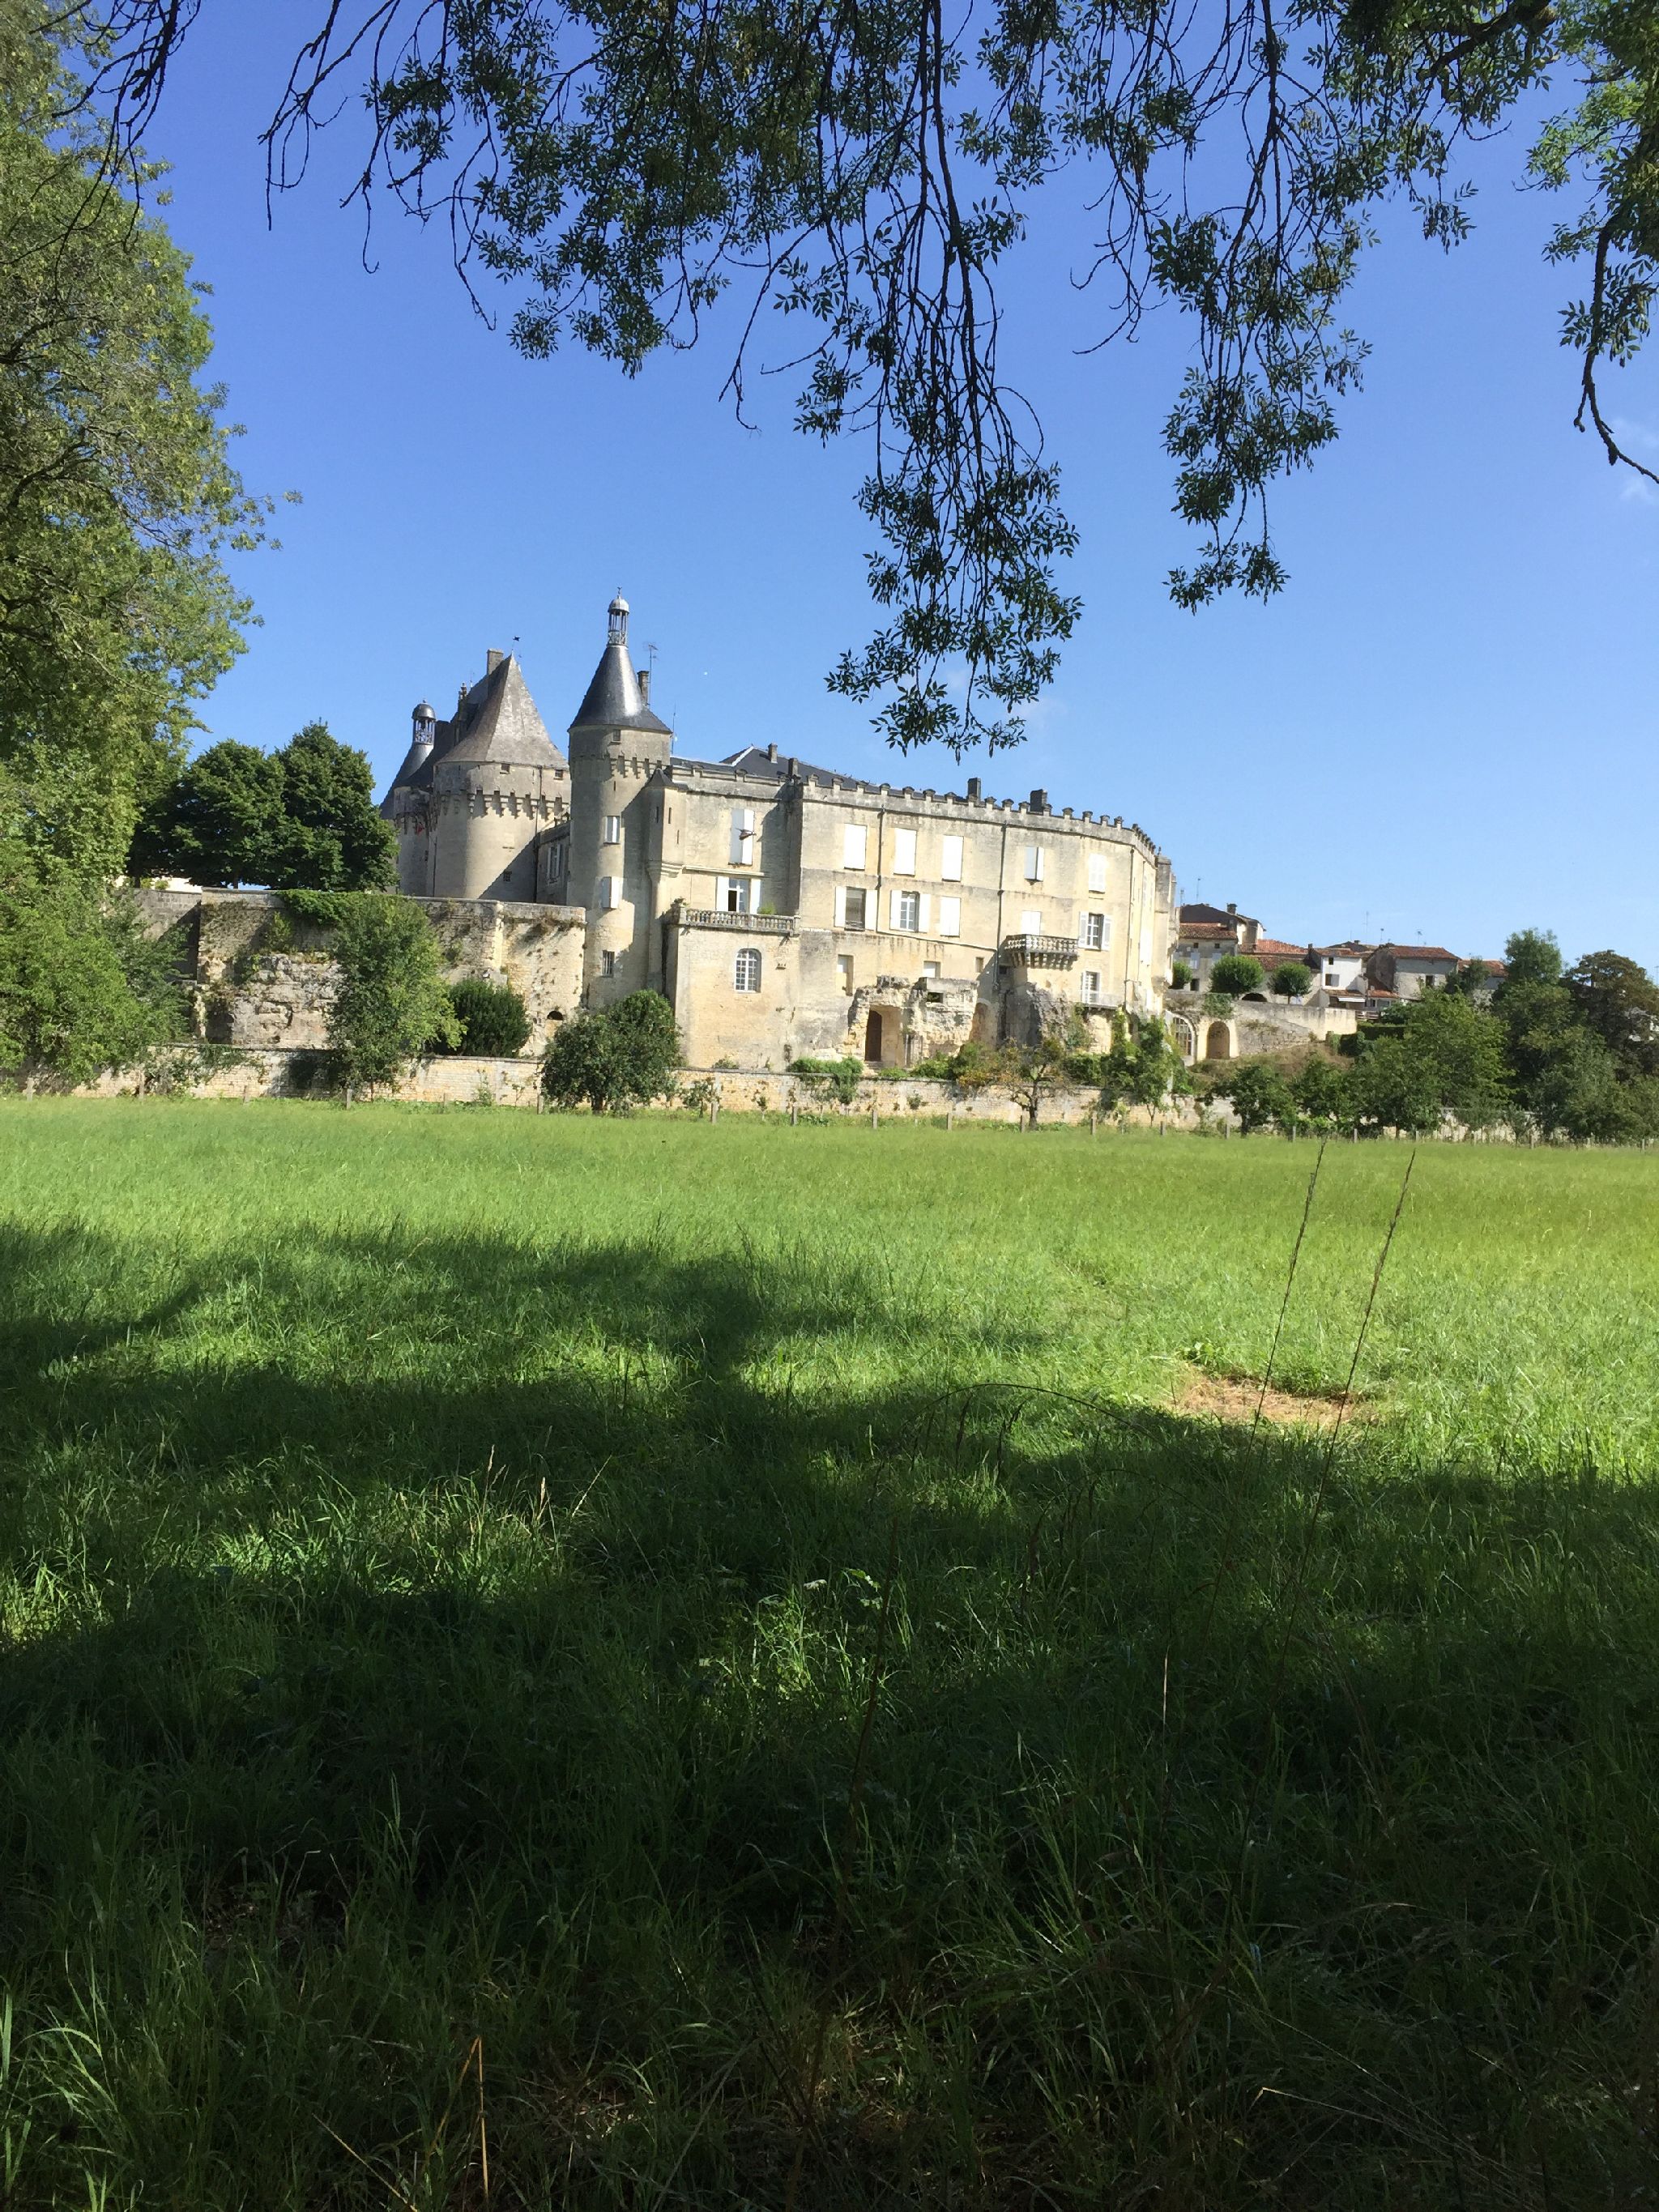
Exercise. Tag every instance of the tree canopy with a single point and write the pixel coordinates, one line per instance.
(620, 1056)
(391, 1002)
(302, 818)
(118, 502)
(869, 171)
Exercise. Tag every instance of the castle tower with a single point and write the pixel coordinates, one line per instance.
(616, 744)
(477, 795)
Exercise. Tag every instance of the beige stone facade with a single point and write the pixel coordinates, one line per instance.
(783, 909)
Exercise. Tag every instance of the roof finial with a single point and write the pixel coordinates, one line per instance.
(617, 611)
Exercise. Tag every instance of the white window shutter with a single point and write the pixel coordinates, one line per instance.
(921, 916)
(893, 909)
(841, 906)
(949, 917)
(950, 863)
(1096, 872)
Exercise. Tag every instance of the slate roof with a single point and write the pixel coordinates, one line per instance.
(496, 721)
(613, 699)
(1200, 913)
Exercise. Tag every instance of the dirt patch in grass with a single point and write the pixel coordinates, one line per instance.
(1236, 1398)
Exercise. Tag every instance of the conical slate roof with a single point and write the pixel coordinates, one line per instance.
(613, 699)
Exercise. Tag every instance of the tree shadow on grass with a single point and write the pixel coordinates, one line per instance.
(418, 1640)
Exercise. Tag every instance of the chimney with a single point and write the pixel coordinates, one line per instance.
(771, 752)
(1232, 906)
(493, 659)
(644, 685)
(973, 787)
(1039, 802)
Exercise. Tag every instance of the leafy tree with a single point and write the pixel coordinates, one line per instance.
(213, 822)
(869, 170)
(1235, 972)
(1461, 1049)
(1619, 1001)
(1260, 1097)
(491, 1019)
(118, 502)
(391, 1002)
(1321, 1090)
(1181, 974)
(623, 1057)
(83, 987)
(1291, 979)
(1577, 1093)
(1143, 1069)
(1393, 1088)
(330, 836)
(1027, 1072)
(303, 818)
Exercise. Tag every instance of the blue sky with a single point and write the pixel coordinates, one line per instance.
(1442, 730)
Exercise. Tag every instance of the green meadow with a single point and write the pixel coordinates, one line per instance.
(546, 1662)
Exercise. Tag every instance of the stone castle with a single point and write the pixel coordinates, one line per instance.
(783, 909)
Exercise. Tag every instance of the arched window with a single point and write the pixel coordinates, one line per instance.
(748, 973)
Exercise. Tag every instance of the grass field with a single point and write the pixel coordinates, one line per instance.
(546, 1662)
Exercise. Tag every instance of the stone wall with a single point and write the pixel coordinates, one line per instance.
(261, 977)
(264, 1072)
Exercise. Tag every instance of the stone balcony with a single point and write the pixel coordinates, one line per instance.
(714, 917)
(1038, 953)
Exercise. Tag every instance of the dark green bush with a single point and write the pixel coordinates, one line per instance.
(494, 1022)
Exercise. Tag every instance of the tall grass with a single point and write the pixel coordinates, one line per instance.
(704, 1661)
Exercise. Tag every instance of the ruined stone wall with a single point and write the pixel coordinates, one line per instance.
(261, 975)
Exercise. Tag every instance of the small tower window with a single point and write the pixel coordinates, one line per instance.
(613, 828)
(747, 974)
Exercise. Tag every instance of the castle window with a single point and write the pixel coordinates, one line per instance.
(844, 973)
(904, 852)
(613, 828)
(1096, 872)
(1034, 863)
(734, 894)
(949, 860)
(949, 917)
(854, 840)
(907, 910)
(607, 964)
(607, 893)
(1090, 986)
(1094, 932)
(747, 973)
(742, 837)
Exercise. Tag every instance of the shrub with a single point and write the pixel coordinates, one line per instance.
(82, 990)
(1291, 979)
(622, 1057)
(833, 1079)
(1235, 972)
(391, 1003)
(493, 1020)
(1260, 1097)
(1181, 974)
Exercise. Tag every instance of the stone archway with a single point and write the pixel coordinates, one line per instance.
(1218, 1042)
(883, 1033)
(1182, 1036)
(873, 1038)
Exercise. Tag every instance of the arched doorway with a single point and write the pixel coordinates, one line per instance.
(1181, 1036)
(872, 1039)
(1217, 1044)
